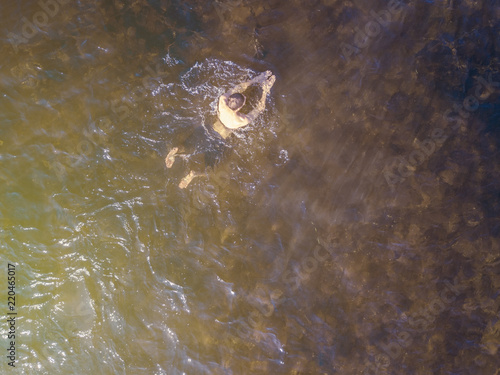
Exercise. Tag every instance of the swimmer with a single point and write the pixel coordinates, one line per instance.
(232, 101)
(229, 118)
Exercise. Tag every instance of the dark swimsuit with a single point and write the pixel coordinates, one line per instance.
(207, 146)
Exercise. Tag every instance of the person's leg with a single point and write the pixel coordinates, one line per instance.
(215, 154)
(196, 168)
(197, 164)
(209, 147)
(187, 147)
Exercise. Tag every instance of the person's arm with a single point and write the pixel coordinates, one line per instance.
(238, 88)
(261, 105)
(259, 108)
(244, 85)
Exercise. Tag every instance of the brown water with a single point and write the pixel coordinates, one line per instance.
(354, 228)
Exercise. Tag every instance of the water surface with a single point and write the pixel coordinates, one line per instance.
(354, 228)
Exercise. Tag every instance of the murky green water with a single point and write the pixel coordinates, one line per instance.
(353, 229)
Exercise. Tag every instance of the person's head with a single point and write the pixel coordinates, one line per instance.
(236, 101)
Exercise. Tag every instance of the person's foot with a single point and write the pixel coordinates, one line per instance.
(169, 160)
(187, 180)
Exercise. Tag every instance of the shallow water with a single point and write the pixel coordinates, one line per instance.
(354, 228)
